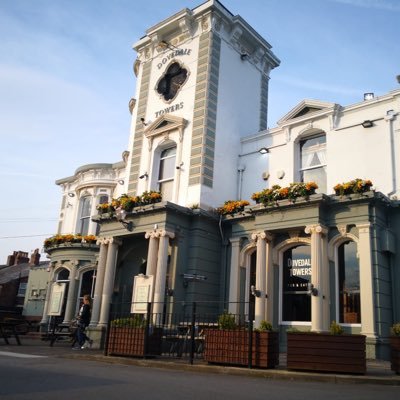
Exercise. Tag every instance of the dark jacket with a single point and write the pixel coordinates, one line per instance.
(84, 315)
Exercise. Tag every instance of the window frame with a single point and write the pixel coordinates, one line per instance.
(162, 180)
(84, 219)
(337, 284)
(321, 166)
(282, 321)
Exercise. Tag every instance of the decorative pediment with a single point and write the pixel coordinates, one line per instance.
(163, 125)
(306, 107)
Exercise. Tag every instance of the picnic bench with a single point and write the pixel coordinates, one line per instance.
(62, 332)
(12, 327)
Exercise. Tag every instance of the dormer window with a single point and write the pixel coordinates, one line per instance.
(313, 161)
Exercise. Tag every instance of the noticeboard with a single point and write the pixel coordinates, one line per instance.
(56, 299)
(142, 293)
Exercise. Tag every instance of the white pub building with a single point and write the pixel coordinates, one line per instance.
(199, 136)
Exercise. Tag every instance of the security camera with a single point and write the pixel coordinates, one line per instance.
(143, 176)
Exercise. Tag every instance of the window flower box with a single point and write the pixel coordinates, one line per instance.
(354, 186)
(69, 239)
(231, 207)
(292, 192)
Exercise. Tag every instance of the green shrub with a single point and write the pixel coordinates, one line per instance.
(227, 321)
(137, 321)
(265, 326)
(293, 330)
(335, 328)
(395, 330)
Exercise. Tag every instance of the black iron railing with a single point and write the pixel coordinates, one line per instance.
(177, 334)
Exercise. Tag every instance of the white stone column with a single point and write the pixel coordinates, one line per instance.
(259, 313)
(98, 290)
(319, 273)
(45, 317)
(234, 277)
(151, 267)
(269, 312)
(108, 280)
(71, 297)
(162, 262)
(367, 292)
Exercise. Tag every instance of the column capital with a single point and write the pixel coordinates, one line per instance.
(109, 240)
(114, 240)
(310, 229)
(163, 233)
(151, 234)
(102, 240)
(262, 235)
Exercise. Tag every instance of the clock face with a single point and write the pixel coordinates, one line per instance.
(172, 80)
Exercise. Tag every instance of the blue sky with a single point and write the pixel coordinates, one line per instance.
(66, 79)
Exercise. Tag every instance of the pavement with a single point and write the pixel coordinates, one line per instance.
(378, 371)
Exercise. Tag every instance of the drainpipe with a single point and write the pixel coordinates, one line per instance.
(240, 184)
(224, 290)
(390, 117)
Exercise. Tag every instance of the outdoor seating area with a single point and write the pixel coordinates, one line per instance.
(12, 325)
(170, 335)
(58, 331)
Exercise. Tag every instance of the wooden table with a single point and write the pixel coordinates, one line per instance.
(61, 331)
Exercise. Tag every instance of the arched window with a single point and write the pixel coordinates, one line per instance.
(87, 286)
(349, 284)
(296, 275)
(84, 217)
(167, 172)
(62, 275)
(313, 161)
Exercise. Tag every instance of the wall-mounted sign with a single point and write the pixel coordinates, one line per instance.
(169, 109)
(142, 293)
(57, 298)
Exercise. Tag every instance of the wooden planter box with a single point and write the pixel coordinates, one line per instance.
(131, 342)
(324, 352)
(395, 354)
(231, 347)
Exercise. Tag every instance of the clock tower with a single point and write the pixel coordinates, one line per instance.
(202, 84)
